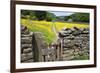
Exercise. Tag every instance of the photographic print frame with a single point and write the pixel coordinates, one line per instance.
(15, 17)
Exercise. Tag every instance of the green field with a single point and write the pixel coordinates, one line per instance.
(47, 27)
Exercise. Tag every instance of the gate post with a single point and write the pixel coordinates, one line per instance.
(37, 54)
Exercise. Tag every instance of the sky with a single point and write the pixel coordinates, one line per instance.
(62, 13)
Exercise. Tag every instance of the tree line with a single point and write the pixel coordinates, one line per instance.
(78, 17)
(37, 15)
(48, 16)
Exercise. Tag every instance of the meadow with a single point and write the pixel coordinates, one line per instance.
(47, 27)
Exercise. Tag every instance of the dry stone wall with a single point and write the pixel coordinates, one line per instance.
(75, 43)
(26, 45)
(34, 48)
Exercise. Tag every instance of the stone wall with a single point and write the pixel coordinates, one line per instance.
(26, 45)
(75, 43)
(34, 48)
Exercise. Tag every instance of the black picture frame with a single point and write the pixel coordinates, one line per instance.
(13, 36)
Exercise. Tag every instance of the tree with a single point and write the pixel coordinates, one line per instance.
(50, 16)
(27, 14)
(40, 15)
(78, 17)
(66, 18)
